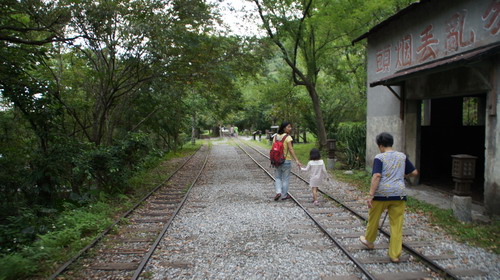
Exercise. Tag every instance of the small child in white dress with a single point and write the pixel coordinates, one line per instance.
(317, 170)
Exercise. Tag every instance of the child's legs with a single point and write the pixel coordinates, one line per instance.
(315, 193)
(396, 217)
(373, 219)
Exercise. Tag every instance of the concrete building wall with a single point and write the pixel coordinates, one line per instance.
(492, 153)
(383, 111)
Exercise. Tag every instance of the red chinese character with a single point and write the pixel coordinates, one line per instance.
(455, 33)
(425, 51)
(383, 59)
(404, 52)
(493, 12)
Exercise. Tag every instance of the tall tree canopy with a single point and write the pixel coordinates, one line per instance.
(308, 33)
(85, 80)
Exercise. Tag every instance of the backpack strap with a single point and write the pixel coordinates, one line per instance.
(283, 141)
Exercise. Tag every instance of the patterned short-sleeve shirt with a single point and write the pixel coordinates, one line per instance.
(392, 166)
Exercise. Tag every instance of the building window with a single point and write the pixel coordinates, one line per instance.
(425, 112)
(470, 111)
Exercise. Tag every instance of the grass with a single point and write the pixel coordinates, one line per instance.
(485, 236)
(155, 174)
(75, 227)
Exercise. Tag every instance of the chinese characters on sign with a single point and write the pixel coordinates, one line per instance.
(458, 32)
(492, 15)
(455, 33)
(404, 52)
(426, 49)
(384, 60)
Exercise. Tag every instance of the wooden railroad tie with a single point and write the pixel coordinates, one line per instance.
(116, 266)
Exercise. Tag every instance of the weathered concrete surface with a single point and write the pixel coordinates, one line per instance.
(443, 200)
(492, 154)
(461, 206)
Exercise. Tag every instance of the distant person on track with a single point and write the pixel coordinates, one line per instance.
(317, 172)
(282, 172)
(387, 191)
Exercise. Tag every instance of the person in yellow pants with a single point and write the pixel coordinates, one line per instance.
(387, 191)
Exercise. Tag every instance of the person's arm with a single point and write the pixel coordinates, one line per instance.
(292, 152)
(373, 187)
(376, 176)
(306, 168)
(410, 170)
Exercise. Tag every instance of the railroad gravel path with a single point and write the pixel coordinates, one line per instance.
(230, 228)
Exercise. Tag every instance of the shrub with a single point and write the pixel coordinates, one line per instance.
(111, 166)
(70, 232)
(15, 266)
(351, 139)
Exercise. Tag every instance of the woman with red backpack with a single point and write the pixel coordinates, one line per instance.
(282, 171)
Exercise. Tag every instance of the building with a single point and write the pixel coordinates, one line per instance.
(434, 83)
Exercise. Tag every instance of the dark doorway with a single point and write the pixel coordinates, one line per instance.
(451, 126)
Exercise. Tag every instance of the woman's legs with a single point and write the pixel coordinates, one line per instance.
(285, 177)
(278, 181)
(396, 211)
(373, 219)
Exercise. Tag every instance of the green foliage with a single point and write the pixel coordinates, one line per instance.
(16, 266)
(71, 231)
(67, 234)
(153, 172)
(351, 141)
(112, 166)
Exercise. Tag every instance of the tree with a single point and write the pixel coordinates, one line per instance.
(309, 33)
(33, 22)
(293, 25)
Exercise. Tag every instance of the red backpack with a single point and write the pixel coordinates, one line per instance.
(277, 155)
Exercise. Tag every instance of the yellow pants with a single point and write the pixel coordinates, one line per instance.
(396, 209)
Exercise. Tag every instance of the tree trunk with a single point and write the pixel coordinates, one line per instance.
(319, 116)
(193, 129)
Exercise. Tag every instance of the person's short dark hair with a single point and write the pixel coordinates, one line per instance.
(314, 154)
(385, 139)
(281, 130)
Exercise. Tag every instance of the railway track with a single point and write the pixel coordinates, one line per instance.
(123, 249)
(342, 219)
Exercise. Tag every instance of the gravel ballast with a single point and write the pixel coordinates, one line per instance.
(230, 228)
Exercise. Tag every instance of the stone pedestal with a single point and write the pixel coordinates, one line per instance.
(330, 163)
(461, 206)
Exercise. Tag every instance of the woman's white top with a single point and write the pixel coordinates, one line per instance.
(317, 171)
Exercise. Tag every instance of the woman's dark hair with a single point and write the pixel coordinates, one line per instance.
(384, 139)
(281, 130)
(314, 154)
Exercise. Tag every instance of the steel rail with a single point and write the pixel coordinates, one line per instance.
(433, 265)
(339, 245)
(151, 251)
(63, 267)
